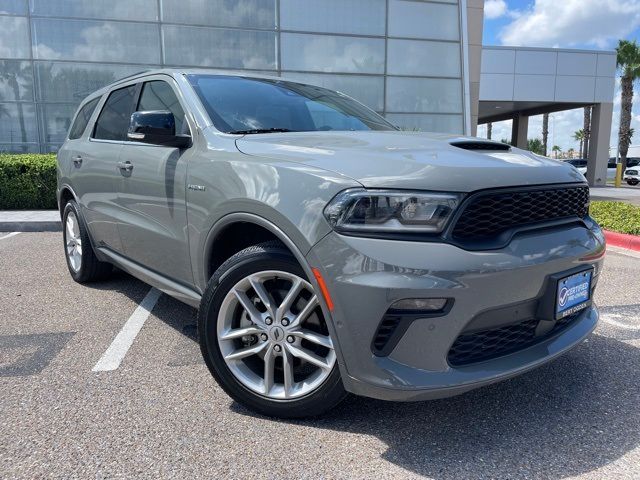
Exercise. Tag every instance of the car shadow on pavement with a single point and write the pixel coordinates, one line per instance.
(567, 418)
(570, 417)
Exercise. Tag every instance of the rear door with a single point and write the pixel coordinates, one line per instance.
(95, 171)
(151, 193)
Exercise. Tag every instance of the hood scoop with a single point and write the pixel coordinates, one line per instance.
(475, 145)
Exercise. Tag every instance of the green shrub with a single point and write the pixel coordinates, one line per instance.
(617, 216)
(27, 182)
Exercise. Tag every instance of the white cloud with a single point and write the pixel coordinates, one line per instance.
(570, 23)
(494, 8)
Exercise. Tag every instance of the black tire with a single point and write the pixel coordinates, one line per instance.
(265, 256)
(91, 269)
(632, 182)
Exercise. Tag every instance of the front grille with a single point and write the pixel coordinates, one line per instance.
(495, 342)
(490, 214)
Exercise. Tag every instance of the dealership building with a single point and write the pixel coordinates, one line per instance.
(421, 64)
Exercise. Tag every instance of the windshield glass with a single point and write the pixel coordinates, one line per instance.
(258, 105)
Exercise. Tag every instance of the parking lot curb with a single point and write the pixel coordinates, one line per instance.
(32, 226)
(623, 240)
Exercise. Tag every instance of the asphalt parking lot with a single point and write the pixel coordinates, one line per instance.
(159, 414)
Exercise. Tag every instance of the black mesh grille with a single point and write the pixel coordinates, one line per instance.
(490, 214)
(486, 344)
(386, 328)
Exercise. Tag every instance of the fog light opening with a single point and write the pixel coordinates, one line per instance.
(416, 305)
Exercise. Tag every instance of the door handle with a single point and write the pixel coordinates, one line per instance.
(126, 166)
(77, 161)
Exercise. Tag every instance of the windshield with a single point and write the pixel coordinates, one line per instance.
(258, 105)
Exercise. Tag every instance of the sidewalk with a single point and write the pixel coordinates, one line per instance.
(30, 221)
(625, 193)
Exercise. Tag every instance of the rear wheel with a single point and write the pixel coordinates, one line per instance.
(81, 260)
(264, 337)
(632, 182)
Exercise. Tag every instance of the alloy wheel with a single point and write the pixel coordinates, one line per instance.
(73, 242)
(273, 336)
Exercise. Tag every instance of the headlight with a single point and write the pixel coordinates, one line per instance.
(391, 211)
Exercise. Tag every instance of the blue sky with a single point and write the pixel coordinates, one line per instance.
(589, 24)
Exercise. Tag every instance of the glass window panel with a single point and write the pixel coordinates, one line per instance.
(113, 121)
(18, 123)
(366, 89)
(115, 9)
(218, 47)
(221, 13)
(19, 148)
(158, 95)
(13, 7)
(82, 119)
(427, 123)
(437, 95)
(14, 37)
(72, 82)
(423, 20)
(418, 57)
(16, 80)
(95, 41)
(324, 53)
(361, 17)
(55, 121)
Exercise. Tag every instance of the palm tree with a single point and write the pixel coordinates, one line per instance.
(628, 60)
(556, 149)
(545, 133)
(12, 79)
(489, 130)
(570, 152)
(579, 136)
(587, 131)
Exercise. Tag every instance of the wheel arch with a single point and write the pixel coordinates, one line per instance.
(233, 218)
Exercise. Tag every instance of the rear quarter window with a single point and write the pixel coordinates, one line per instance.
(82, 119)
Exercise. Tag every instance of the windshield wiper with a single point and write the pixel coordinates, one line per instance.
(259, 130)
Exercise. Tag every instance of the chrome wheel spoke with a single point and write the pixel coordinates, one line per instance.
(308, 356)
(269, 368)
(263, 295)
(292, 294)
(305, 312)
(240, 332)
(245, 352)
(287, 367)
(313, 337)
(250, 308)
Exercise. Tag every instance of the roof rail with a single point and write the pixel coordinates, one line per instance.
(132, 75)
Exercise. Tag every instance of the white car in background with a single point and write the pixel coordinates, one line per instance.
(611, 170)
(632, 175)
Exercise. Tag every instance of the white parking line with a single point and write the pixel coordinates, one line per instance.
(610, 318)
(116, 352)
(8, 235)
(623, 251)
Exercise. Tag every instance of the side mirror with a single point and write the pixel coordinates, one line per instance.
(157, 128)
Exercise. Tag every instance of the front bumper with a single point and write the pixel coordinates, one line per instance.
(365, 276)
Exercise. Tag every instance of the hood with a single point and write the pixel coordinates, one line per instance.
(410, 160)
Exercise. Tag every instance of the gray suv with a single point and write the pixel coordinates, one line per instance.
(327, 251)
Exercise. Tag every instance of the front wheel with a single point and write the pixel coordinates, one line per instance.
(632, 182)
(264, 337)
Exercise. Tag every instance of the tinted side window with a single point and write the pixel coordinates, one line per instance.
(114, 118)
(611, 165)
(158, 95)
(80, 123)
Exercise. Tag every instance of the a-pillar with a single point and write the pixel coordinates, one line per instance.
(519, 131)
(601, 117)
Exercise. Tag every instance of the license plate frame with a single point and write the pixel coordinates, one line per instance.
(573, 293)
